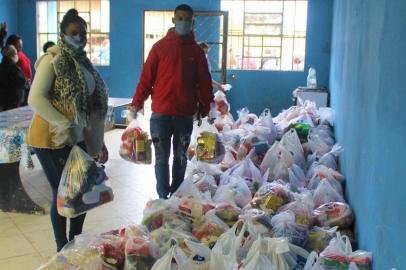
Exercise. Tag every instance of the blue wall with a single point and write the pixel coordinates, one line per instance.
(368, 85)
(258, 90)
(255, 89)
(8, 13)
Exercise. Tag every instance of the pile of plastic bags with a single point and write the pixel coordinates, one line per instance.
(259, 193)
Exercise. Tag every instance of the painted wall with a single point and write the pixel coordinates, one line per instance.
(255, 89)
(258, 90)
(8, 13)
(368, 86)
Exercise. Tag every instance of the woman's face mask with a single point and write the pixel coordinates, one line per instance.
(75, 41)
(15, 58)
(183, 28)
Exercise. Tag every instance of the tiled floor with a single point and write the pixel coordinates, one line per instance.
(26, 241)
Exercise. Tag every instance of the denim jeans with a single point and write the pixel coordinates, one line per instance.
(53, 162)
(164, 129)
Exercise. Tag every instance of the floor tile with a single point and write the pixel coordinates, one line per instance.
(16, 245)
(7, 227)
(31, 223)
(3, 215)
(41, 240)
(26, 262)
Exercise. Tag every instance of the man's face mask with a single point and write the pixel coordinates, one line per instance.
(183, 28)
(75, 41)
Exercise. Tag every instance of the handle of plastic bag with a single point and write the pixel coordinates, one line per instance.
(312, 261)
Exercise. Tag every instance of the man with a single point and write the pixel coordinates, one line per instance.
(24, 62)
(12, 80)
(177, 77)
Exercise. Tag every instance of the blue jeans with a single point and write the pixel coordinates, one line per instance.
(164, 128)
(53, 162)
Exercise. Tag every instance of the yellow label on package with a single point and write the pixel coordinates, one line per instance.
(139, 146)
(273, 202)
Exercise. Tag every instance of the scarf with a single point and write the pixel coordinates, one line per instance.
(70, 94)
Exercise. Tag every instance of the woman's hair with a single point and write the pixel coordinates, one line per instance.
(72, 16)
(12, 40)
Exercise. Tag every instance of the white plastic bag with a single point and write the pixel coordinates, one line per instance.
(200, 255)
(325, 193)
(313, 262)
(284, 225)
(317, 144)
(249, 172)
(297, 178)
(353, 266)
(236, 191)
(182, 261)
(258, 256)
(330, 159)
(277, 160)
(224, 252)
(327, 116)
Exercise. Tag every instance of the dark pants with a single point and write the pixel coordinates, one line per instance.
(53, 162)
(164, 128)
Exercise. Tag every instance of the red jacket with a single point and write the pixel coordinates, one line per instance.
(177, 77)
(25, 64)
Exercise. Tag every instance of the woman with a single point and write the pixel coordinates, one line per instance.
(69, 99)
(12, 80)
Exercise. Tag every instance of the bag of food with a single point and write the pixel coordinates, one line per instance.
(227, 212)
(313, 262)
(251, 174)
(315, 181)
(271, 196)
(297, 178)
(154, 212)
(284, 225)
(206, 184)
(302, 207)
(257, 222)
(82, 186)
(174, 259)
(319, 238)
(334, 214)
(325, 193)
(135, 144)
(330, 159)
(209, 228)
(290, 141)
(236, 191)
(277, 160)
(258, 257)
(317, 144)
(266, 120)
(139, 253)
(164, 238)
(258, 152)
(323, 172)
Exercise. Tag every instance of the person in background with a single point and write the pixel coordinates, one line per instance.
(48, 45)
(3, 34)
(206, 50)
(12, 80)
(69, 100)
(177, 77)
(24, 62)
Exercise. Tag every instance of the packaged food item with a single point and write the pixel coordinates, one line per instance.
(136, 145)
(154, 212)
(271, 196)
(319, 238)
(284, 225)
(210, 148)
(139, 253)
(82, 186)
(163, 238)
(228, 213)
(301, 129)
(193, 208)
(209, 228)
(334, 214)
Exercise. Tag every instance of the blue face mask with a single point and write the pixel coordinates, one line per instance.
(183, 27)
(75, 42)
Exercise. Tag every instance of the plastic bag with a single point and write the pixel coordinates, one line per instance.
(258, 152)
(175, 258)
(327, 116)
(297, 178)
(290, 141)
(325, 193)
(230, 158)
(258, 257)
(284, 225)
(82, 186)
(271, 196)
(235, 191)
(251, 174)
(206, 184)
(315, 181)
(336, 254)
(296, 257)
(317, 145)
(334, 214)
(302, 207)
(353, 266)
(266, 120)
(278, 160)
(245, 118)
(313, 262)
(323, 172)
(228, 213)
(258, 222)
(139, 253)
(209, 228)
(135, 144)
(319, 238)
(164, 238)
(330, 159)
(221, 106)
(154, 212)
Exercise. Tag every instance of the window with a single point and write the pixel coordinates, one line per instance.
(267, 34)
(95, 12)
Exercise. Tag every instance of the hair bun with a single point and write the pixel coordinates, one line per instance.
(72, 13)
